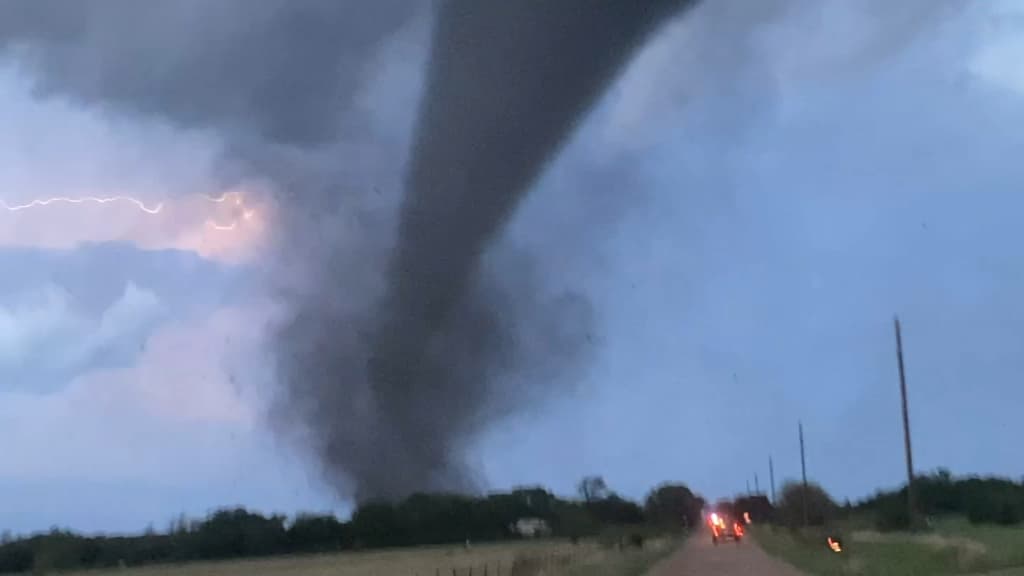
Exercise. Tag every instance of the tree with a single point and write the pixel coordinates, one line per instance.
(418, 520)
(574, 521)
(820, 506)
(234, 533)
(592, 489)
(311, 533)
(982, 500)
(673, 506)
(615, 510)
(758, 506)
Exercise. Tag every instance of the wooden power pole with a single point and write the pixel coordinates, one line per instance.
(803, 471)
(771, 478)
(906, 423)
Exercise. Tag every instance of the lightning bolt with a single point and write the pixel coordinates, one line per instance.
(235, 197)
(86, 199)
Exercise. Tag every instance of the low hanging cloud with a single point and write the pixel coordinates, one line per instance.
(46, 339)
(182, 399)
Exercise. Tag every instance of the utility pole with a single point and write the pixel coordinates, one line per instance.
(803, 471)
(771, 478)
(906, 423)
(757, 485)
(748, 488)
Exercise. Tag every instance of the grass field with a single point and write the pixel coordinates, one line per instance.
(952, 546)
(551, 558)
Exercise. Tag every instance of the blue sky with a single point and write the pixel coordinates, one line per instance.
(747, 218)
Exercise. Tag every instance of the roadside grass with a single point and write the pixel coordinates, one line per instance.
(524, 558)
(490, 559)
(624, 563)
(952, 546)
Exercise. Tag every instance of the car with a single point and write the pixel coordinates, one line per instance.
(724, 527)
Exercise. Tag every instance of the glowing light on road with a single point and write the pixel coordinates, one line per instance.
(83, 200)
(835, 545)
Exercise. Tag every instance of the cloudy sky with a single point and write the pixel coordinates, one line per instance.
(747, 209)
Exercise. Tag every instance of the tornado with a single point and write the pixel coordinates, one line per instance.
(507, 83)
(405, 332)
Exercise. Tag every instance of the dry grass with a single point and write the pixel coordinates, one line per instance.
(479, 560)
(953, 547)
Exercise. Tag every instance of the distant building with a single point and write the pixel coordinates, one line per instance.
(531, 528)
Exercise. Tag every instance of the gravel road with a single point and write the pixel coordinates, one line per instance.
(699, 557)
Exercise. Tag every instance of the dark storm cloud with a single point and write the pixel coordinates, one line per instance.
(405, 338)
(275, 69)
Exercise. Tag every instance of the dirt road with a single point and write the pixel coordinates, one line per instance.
(699, 557)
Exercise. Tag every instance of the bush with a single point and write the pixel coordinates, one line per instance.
(892, 515)
(674, 506)
(981, 500)
(995, 507)
(821, 509)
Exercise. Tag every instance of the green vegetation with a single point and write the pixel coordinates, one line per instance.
(981, 500)
(963, 526)
(820, 508)
(953, 546)
(522, 558)
(601, 516)
(516, 558)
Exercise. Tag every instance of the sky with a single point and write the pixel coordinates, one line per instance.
(745, 215)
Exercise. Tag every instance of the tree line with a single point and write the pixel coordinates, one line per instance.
(433, 519)
(982, 500)
(421, 519)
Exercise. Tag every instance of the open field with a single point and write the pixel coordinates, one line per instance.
(505, 559)
(953, 546)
